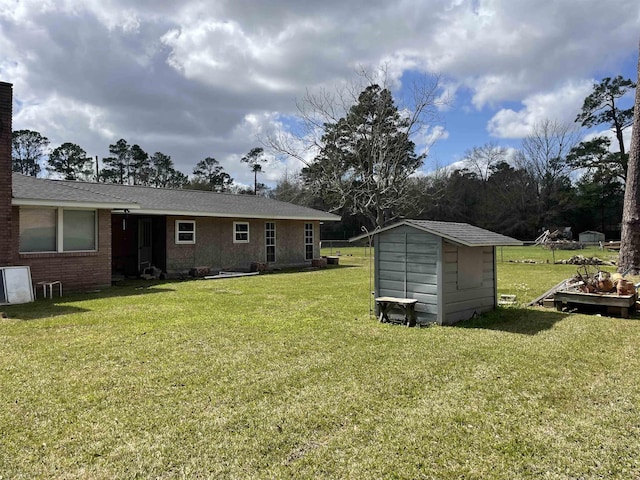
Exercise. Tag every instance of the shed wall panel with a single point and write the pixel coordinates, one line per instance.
(461, 303)
(407, 267)
(411, 287)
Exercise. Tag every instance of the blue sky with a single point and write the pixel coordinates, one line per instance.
(198, 78)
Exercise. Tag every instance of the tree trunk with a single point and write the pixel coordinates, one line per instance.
(630, 235)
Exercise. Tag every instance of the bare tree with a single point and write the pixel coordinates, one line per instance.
(630, 235)
(481, 160)
(544, 157)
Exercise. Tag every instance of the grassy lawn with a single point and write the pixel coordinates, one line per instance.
(287, 376)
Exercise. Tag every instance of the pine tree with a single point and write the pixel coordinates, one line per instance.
(366, 159)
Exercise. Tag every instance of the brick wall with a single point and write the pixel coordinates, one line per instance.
(6, 252)
(76, 270)
(214, 245)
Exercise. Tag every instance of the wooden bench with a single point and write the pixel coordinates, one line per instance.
(406, 305)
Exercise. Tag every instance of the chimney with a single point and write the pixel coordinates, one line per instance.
(6, 98)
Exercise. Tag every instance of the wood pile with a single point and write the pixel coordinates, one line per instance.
(589, 280)
(558, 240)
(582, 260)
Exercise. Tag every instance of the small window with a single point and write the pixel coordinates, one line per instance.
(185, 231)
(240, 232)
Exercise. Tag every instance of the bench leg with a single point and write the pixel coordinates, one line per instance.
(384, 312)
(411, 316)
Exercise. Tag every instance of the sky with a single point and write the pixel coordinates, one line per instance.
(198, 78)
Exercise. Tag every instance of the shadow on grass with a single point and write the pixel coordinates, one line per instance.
(310, 269)
(526, 321)
(43, 308)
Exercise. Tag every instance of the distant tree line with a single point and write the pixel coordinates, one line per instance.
(366, 170)
(365, 166)
(127, 164)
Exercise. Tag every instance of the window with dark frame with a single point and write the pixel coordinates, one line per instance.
(270, 241)
(308, 241)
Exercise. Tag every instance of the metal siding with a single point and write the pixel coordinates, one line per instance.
(462, 304)
(407, 259)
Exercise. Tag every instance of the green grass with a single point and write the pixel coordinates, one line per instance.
(287, 376)
(539, 271)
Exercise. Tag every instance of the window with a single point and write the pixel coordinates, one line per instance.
(270, 241)
(308, 241)
(57, 230)
(185, 231)
(240, 232)
(38, 229)
(78, 230)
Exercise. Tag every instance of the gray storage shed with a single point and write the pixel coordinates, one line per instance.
(450, 268)
(591, 236)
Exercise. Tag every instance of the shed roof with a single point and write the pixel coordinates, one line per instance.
(157, 201)
(460, 233)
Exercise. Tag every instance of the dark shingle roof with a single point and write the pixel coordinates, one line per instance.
(161, 201)
(460, 233)
(464, 233)
(37, 191)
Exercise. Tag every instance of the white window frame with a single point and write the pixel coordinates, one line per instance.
(192, 232)
(59, 233)
(308, 240)
(268, 245)
(236, 232)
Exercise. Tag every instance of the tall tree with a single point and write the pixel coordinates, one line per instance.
(140, 167)
(210, 174)
(163, 173)
(602, 106)
(27, 150)
(356, 142)
(509, 201)
(595, 157)
(630, 236)
(480, 161)
(70, 161)
(366, 159)
(118, 166)
(255, 158)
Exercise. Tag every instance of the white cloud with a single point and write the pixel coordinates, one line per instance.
(57, 116)
(196, 79)
(560, 105)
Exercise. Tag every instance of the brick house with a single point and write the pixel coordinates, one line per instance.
(83, 233)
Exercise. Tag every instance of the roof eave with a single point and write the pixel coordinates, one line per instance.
(183, 213)
(71, 204)
(457, 241)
